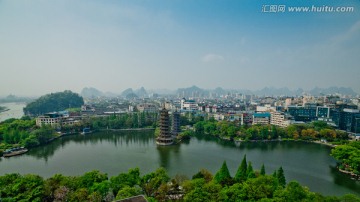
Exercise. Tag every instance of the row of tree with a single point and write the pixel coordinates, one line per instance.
(121, 121)
(23, 132)
(349, 156)
(230, 130)
(247, 185)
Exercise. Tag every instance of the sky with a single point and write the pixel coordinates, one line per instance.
(50, 46)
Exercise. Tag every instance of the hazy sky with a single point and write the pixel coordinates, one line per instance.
(49, 46)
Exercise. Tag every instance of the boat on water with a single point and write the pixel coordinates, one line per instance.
(86, 131)
(15, 151)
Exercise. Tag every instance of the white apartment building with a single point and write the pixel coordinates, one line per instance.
(147, 108)
(279, 119)
(47, 120)
(265, 108)
(261, 118)
(189, 105)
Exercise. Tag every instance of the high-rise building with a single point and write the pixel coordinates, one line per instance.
(165, 137)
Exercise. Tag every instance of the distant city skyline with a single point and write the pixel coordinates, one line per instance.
(51, 46)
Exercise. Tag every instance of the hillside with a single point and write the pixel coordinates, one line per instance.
(54, 102)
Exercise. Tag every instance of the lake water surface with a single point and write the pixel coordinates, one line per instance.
(15, 111)
(115, 152)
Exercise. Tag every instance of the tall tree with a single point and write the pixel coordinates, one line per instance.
(250, 171)
(241, 173)
(281, 177)
(223, 175)
(262, 171)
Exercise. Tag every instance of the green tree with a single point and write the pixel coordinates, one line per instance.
(250, 171)
(258, 188)
(129, 179)
(262, 171)
(127, 192)
(223, 175)
(205, 174)
(90, 178)
(21, 188)
(293, 192)
(241, 173)
(232, 193)
(281, 177)
(152, 181)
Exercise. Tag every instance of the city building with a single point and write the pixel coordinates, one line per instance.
(56, 119)
(188, 105)
(52, 119)
(265, 108)
(261, 118)
(347, 120)
(146, 107)
(305, 113)
(322, 112)
(279, 119)
(246, 118)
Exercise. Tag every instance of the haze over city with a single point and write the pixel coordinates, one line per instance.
(49, 46)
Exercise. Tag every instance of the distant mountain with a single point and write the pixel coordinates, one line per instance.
(110, 94)
(13, 98)
(192, 91)
(195, 91)
(332, 90)
(141, 92)
(271, 91)
(127, 92)
(220, 91)
(91, 92)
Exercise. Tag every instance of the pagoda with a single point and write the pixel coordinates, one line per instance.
(176, 123)
(165, 137)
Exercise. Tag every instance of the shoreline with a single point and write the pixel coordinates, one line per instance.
(4, 110)
(279, 140)
(353, 175)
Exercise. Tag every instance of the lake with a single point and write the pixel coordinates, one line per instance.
(115, 152)
(15, 111)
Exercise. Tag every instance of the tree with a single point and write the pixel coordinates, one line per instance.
(205, 174)
(90, 178)
(129, 179)
(258, 188)
(22, 188)
(127, 192)
(241, 173)
(262, 171)
(152, 181)
(281, 177)
(349, 156)
(293, 192)
(232, 193)
(250, 171)
(223, 175)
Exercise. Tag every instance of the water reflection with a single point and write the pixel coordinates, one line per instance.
(118, 138)
(168, 153)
